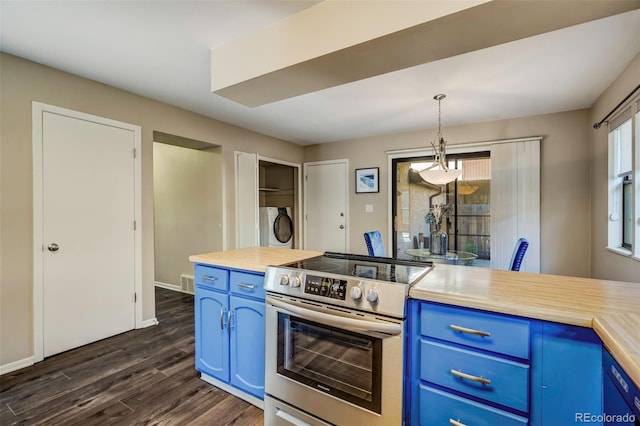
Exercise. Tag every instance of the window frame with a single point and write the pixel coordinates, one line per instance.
(617, 182)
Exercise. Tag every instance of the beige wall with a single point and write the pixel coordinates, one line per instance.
(187, 213)
(565, 192)
(22, 82)
(605, 264)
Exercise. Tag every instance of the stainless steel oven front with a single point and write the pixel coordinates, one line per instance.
(331, 365)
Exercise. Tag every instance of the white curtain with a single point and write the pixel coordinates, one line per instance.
(515, 202)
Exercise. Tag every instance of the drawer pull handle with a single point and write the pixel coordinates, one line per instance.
(249, 286)
(209, 278)
(470, 331)
(456, 422)
(470, 377)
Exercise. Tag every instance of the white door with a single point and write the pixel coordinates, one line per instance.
(247, 227)
(326, 201)
(88, 216)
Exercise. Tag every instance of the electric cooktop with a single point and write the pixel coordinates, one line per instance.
(371, 267)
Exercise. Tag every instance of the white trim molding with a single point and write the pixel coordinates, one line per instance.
(149, 323)
(172, 287)
(16, 365)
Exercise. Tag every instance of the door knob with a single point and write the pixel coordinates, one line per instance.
(341, 226)
(53, 247)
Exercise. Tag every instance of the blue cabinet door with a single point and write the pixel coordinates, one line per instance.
(568, 381)
(211, 334)
(247, 345)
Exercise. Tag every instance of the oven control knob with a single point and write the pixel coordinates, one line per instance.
(295, 282)
(372, 296)
(356, 293)
(284, 280)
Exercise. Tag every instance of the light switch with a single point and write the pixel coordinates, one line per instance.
(368, 208)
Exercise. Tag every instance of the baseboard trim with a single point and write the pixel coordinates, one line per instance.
(16, 365)
(233, 391)
(173, 287)
(149, 323)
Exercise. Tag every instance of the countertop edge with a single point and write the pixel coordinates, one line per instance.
(614, 343)
(502, 308)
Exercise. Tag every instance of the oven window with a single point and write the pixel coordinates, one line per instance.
(341, 363)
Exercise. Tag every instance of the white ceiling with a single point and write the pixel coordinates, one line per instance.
(161, 50)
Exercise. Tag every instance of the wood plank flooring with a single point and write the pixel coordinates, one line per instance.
(142, 377)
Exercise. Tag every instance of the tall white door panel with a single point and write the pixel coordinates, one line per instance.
(326, 206)
(246, 175)
(88, 212)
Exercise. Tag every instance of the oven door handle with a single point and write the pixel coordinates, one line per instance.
(337, 321)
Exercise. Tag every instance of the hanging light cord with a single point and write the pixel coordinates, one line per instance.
(440, 150)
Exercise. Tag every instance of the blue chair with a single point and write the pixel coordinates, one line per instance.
(518, 254)
(374, 243)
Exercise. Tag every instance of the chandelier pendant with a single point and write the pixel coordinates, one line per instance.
(439, 173)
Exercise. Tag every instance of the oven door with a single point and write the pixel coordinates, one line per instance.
(344, 367)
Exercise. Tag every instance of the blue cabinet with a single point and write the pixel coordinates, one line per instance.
(467, 366)
(247, 345)
(229, 330)
(211, 337)
(567, 375)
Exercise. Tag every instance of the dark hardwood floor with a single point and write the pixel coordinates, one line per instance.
(140, 377)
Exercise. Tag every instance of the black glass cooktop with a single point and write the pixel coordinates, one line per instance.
(376, 268)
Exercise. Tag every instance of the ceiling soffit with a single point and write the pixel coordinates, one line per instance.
(238, 74)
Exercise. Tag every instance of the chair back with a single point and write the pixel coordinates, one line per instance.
(518, 254)
(375, 246)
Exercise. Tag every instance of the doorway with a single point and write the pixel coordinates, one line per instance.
(187, 207)
(326, 205)
(87, 212)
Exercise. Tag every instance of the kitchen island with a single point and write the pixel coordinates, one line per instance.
(564, 322)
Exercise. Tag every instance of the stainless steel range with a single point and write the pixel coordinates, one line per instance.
(335, 340)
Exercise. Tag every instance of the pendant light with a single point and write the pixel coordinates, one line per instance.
(439, 173)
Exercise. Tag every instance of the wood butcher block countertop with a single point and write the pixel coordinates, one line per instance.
(611, 308)
(253, 258)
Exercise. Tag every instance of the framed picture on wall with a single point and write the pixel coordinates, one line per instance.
(367, 180)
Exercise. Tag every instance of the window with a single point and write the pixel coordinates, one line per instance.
(507, 174)
(468, 226)
(624, 169)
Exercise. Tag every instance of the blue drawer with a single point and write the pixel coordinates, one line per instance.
(440, 408)
(509, 380)
(246, 284)
(211, 277)
(503, 335)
